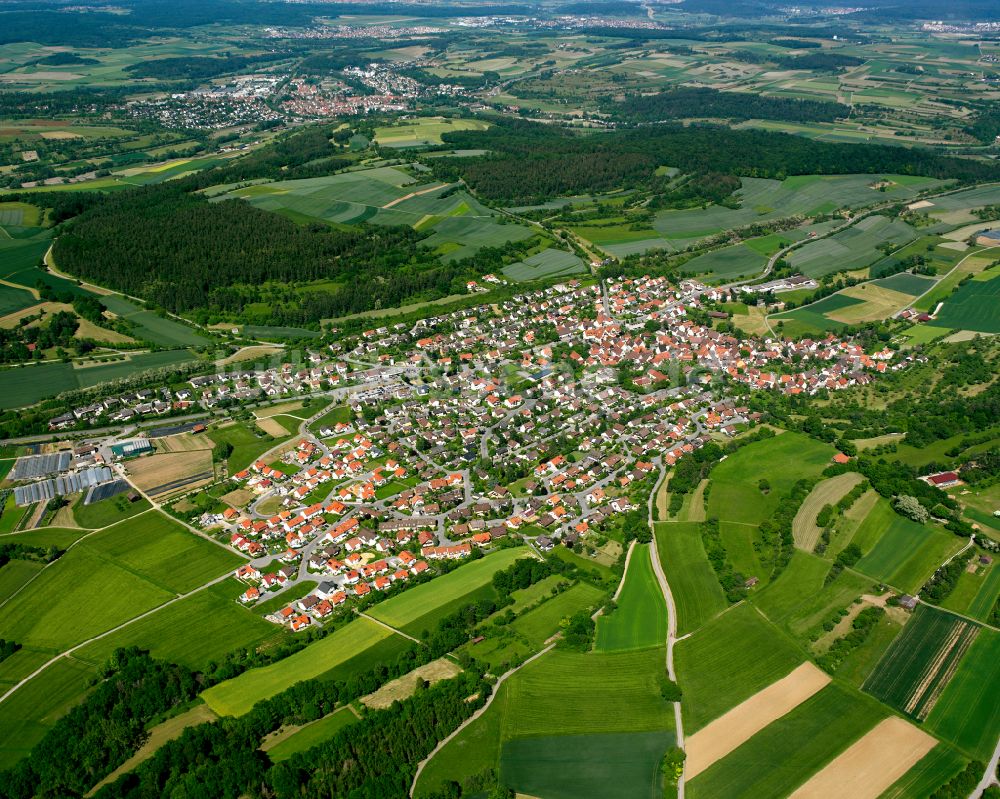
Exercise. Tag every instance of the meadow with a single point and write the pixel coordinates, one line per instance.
(608, 694)
(132, 568)
(311, 735)
(853, 248)
(424, 131)
(410, 610)
(907, 553)
(149, 326)
(728, 660)
(640, 618)
(236, 696)
(788, 751)
(973, 306)
(692, 581)
(781, 460)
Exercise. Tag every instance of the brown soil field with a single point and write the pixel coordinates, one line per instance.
(277, 410)
(165, 474)
(403, 687)
(272, 427)
(739, 725)
(827, 492)
(183, 442)
(870, 765)
(238, 498)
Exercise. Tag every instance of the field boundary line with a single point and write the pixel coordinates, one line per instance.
(380, 623)
(489, 701)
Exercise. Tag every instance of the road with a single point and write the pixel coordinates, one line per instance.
(661, 577)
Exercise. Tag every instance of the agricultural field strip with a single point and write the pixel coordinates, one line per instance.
(870, 765)
(720, 737)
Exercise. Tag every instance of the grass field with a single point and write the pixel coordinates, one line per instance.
(919, 664)
(967, 714)
(973, 306)
(935, 768)
(419, 132)
(781, 460)
(16, 574)
(547, 263)
(692, 581)
(310, 735)
(235, 697)
(640, 619)
(904, 554)
(576, 766)
(247, 446)
(197, 630)
(109, 578)
(729, 660)
(788, 751)
(409, 611)
(160, 330)
(853, 248)
(608, 693)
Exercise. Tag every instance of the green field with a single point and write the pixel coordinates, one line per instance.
(640, 619)
(247, 446)
(16, 574)
(694, 585)
(111, 577)
(799, 601)
(967, 714)
(783, 755)
(729, 660)
(813, 317)
(933, 770)
(781, 460)
(576, 766)
(905, 553)
(409, 610)
(150, 326)
(196, 631)
(740, 260)
(547, 263)
(312, 734)
(922, 651)
(974, 306)
(15, 299)
(236, 696)
(420, 132)
(607, 693)
(853, 248)
(30, 384)
(107, 511)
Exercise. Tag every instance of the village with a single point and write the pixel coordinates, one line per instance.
(545, 419)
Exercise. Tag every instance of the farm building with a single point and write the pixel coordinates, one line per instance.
(941, 479)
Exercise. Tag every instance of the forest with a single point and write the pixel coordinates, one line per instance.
(198, 67)
(696, 102)
(571, 163)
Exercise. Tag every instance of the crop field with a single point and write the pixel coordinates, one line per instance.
(732, 729)
(973, 264)
(827, 492)
(640, 619)
(547, 263)
(816, 317)
(407, 610)
(771, 199)
(798, 600)
(202, 628)
(729, 660)
(906, 283)
(236, 696)
(35, 707)
(16, 574)
(781, 460)
(167, 473)
(921, 662)
(783, 755)
(575, 766)
(608, 693)
(740, 260)
(974, 306)
(458, 223)
(967, 713)
(15, 299)
(933, 770)
(906, 553)
(853, 248)
(694, 585)
(310, 735)
(877, 302)
(419, 132)
(161, 330)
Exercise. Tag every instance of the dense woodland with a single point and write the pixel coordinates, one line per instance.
(198, 67)
(704, 103)
(563, 161)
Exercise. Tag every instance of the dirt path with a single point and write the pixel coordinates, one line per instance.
(413, 194)
(388, 627)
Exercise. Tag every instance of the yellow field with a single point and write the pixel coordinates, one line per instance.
(183, 442)
(403, 687)
(272, 427)
(879, 303)
(869, 766)
(828, 492)
(753, 321)
(275, 410)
